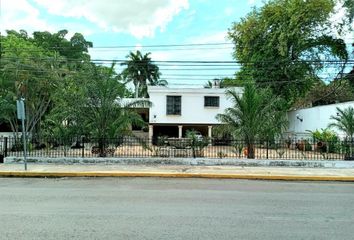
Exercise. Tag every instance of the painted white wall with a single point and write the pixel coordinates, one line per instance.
(8, 134)
(10, 140)
(314, 118)
(192, 109)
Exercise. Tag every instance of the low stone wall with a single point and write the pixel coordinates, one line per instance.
(189, 161)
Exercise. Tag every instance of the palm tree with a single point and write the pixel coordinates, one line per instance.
(159, 82)
(344, 121)
(216, 82)
(95, 102)
(140, 70)
(208, 84)
(253, 116)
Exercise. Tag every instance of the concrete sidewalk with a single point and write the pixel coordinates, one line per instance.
(177, 171)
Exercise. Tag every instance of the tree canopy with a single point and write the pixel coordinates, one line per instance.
(140, 70)
(283, 44)
(254, 115)
(30, 72)
(65, 94)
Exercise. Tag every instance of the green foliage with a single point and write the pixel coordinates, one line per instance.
(93, 104)
(321, 94)
(308, 146)
(74, 49)
(197, 143)
(327, 140)
(65, 94)
(282, 44)
(224, 83)
(238, 148)
(162, 141)
(30, 72)
(34, 68)
(344, 121)
(141, 70)
(324, 135)
(255, 114)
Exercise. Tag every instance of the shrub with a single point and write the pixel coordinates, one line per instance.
(197, 143)
(326, 139)
(303, 145)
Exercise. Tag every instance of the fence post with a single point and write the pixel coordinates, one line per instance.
(267, 147)
(83, 147)
(5, 147)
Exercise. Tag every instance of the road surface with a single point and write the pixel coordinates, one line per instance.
(156, 208)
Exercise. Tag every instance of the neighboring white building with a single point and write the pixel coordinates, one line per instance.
(175, 110)
(302, 120)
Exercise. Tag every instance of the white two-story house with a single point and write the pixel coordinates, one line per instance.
(175, 110)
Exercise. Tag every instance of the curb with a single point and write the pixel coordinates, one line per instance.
(189, 162)
(24, 174)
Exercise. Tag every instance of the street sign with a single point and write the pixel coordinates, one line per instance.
(20, 109)
(22, 116)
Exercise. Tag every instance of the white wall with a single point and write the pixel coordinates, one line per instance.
(314, 118)
(10, 140)
(192, 109)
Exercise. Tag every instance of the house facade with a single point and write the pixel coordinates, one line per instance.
(302, 121)
(176, 110)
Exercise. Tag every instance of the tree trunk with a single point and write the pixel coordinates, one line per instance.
(137, 90)
(102, 147)
(250, 150)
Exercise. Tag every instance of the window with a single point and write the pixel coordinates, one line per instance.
(211, 101)
(173, 105)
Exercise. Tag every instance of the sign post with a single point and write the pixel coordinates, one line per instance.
(22, 116)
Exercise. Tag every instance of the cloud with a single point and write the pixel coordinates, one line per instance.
(228, 11)
(175, 73)
(339, 18)
(214, 37)
(20, 14)
(141, 18)
(197, 53)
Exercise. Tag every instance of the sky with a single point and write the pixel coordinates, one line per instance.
(111, 24)
(140, 23)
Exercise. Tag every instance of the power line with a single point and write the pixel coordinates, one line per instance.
(183, 61)
(246, 77)
(168, 45)
(150, 46)
(174, 49)
(176, 69)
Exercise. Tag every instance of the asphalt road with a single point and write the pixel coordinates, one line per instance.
(153, 208)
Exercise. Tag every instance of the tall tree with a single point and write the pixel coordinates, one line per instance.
(140, 70)
(94, 104)
(254, 115)
(30, 72)
(282, 45)
(344, 122)
(74, 49)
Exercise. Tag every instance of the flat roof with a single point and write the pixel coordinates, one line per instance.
(152, 89)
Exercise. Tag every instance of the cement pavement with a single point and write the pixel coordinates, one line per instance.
(170, 208)
(178, 171)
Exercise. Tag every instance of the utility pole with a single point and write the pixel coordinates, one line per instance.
(22, 116)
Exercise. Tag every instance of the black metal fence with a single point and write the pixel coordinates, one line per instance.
(179, 148)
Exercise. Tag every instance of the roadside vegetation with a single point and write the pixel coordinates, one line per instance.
(283, 47)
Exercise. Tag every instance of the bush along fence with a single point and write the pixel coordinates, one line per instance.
(164, 147)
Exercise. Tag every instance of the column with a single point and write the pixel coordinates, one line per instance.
(210, 128)
(151, 133)
(180, 127)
